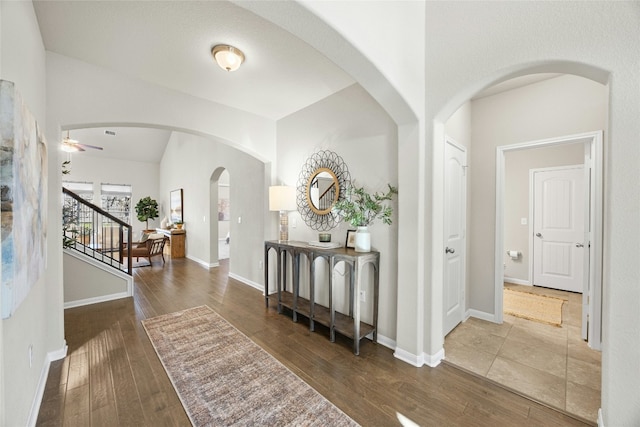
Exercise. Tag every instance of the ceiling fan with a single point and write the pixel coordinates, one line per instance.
(71, 145)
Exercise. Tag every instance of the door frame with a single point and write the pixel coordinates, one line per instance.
(463, 210)
(594, 168)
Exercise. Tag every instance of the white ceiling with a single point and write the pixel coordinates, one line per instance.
(135, 144)
(169, 43)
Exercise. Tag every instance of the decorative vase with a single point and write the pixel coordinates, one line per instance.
(363, 240)
(179, 226)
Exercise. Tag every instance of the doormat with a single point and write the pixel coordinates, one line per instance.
(539, 308)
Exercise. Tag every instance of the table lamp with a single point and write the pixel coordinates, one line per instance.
(283, 199)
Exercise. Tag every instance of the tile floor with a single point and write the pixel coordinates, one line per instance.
(549, 364)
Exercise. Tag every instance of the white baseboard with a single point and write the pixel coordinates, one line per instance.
(42, 383)
(516, 281)
(418, 361)
(251, 283)
(201, 262)
(387, 342)
(600, 418)
(96, 300)
(480, 315)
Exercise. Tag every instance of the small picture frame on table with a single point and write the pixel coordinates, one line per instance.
(351, 239)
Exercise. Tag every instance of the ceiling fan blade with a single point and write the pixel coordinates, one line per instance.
(89, 146)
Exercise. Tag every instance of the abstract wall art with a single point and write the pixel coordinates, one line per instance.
(23, 187)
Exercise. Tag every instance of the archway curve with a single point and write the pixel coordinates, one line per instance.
(215, 138)
(584, 70)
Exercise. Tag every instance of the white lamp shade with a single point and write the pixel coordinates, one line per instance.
(282, 198)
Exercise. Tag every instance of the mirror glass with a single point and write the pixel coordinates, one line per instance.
(175, 205)
(323, 191)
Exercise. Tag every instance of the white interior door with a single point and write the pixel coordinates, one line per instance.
(455, 234)
(559, 229)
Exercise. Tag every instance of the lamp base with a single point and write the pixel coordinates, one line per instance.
(284, 226)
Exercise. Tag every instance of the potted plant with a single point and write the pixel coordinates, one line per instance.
(360, 209)
(179, 224)
(146, 209)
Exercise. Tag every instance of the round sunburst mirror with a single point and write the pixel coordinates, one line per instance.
(321, 183)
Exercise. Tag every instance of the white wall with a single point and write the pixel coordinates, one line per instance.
(143, 177)
(556, 107)
(354, 126)
(84, 281)
(189, 162)
(38, 321)
(474, 44)
(516, 201)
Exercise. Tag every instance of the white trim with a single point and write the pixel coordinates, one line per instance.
(386, 342)
(251, 283)
(480, 315)
(595, 139)
(517, 281)
(203, 263)
(96, 300)
(600, 418)
(431, 360)
(42, 383)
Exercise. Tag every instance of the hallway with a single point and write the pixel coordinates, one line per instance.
(550, 364)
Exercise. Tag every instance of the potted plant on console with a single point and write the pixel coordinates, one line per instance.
(360, 209)
(146, 209)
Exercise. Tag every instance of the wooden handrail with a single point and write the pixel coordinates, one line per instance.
(94, 207)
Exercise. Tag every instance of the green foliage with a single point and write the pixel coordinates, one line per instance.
(65, 167)
(147, 209)
(360, 208)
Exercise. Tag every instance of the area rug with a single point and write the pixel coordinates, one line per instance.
(539, 308)
(223, 378)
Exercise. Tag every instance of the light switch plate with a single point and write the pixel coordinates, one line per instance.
(523, 221)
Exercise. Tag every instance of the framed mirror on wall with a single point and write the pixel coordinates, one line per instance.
(175, 206)
(323, 181)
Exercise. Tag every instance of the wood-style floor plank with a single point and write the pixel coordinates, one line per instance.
(112, 375)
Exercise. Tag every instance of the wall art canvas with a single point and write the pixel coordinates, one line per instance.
(23, 186)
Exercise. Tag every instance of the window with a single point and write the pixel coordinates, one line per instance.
(116, 199)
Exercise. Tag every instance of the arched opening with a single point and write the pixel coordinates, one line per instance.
(486, 225)
(220, 214)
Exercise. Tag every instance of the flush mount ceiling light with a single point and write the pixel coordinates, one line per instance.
(228, 57)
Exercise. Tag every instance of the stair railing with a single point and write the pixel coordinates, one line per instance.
(91, 230)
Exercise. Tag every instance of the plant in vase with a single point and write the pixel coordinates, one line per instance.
(146, 209)
(179, 225)
(360, 209)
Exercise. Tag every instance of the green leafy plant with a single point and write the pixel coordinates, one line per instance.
(146, 209)
(360, 208)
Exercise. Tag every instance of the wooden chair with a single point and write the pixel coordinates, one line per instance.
(147, 249)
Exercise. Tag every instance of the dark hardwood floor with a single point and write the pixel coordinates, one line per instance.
(112, 376)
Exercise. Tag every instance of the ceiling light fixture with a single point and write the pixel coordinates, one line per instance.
(228, 57)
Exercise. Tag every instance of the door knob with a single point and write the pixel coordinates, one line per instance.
(450, 250)
(538, 235)
(579, 245)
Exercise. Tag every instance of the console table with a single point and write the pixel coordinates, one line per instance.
(347, 325)
(176, 241)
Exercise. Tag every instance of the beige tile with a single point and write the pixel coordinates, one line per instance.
(476, 337)
(542, 336)
(583, 373)
(583, 401)
(500, 330)
(535, 356)
(531, 382)
(468, 357)
(579, 349)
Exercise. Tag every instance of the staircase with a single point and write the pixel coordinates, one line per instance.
(95, 233)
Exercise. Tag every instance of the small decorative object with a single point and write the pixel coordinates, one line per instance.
(351, 239)
(360, 209)
(146, 209)
(179, 225)
(324, 237)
